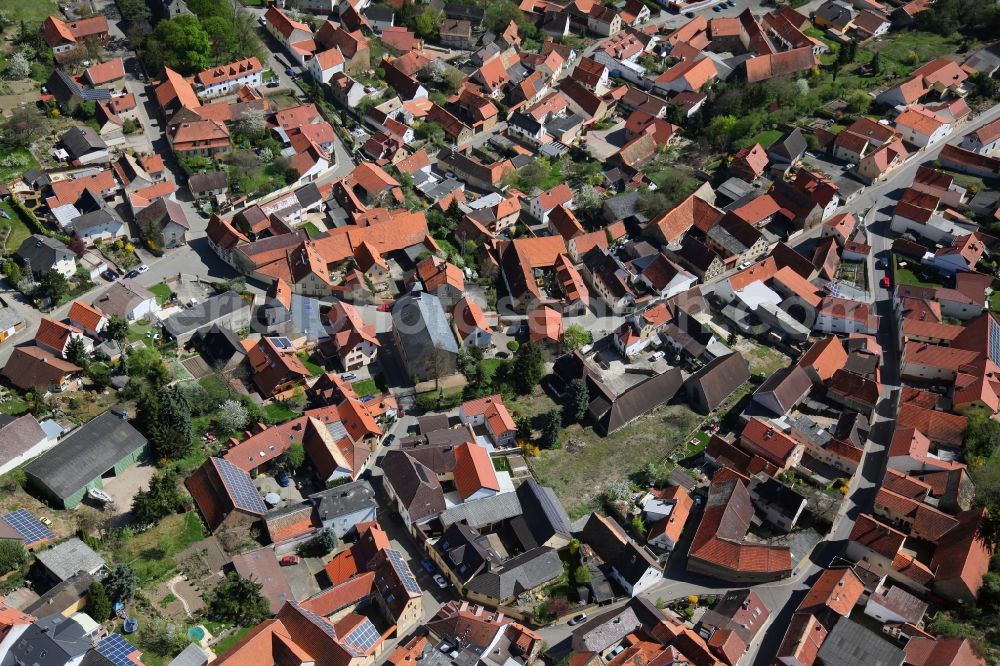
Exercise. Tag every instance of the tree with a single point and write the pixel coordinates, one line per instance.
(578, 400)
(12, 555)
(252, 124)
(99, 375)
(982, 435)
(98, 604)
(12, 271)
(322, 544)
(160, 500)
(161, 637)
(575, 337)
(876, 63)
(529, 367)
(858, 101)
(76, 352)
(233, 415)
(18, 66)
(427, 24)
(638, 524)
(117, 328)
(551, 426)
(582, 574)
(238, 600)
(165, 418)
(78, 245)
(53, 285)
(295, 456)
(524, 430)
(180, 43)
(24, 126)
(121, 582)
(431, 132)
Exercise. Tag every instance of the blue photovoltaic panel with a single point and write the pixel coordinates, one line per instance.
(403, 571)
(364, 637)
(240, 486)
(282, 343)
(117, 650)
(29, 527)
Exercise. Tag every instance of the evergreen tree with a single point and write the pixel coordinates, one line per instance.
(98, 604)
(121, 582)
(238, 600)
(579, 400)
(551, 425)
(529, 367)
(76, 352)
(158, 501)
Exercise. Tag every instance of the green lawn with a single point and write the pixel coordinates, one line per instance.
(138, 330)
(14, 407)
(588, 464)
(279, 413)
(230, 640)
(32, 13)
(311, 229)
(13, 230)
(365, 387)
(765, 361)
(15, 161)
(488, 367)
(898, 51)
(162, 292)
(995, 301)
(765, 138)
(908, 276)
(315, 369)
(151, 553)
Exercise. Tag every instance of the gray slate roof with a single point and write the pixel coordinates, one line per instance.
(86, 454)
(192, 655)
(483, 512)
(19, 436)
(850, 644)
(344, 500)
(82, 139)
(54, 640)
(519, 574)
(204, 313)
(43, 252)
(66, 559)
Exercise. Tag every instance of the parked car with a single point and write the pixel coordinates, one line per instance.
(273, 83)
(441, 582)
(657, 356)
(132, 275)
(283, 479)
(290, 560)
(45, 521)
(142, 268)
(349, 376)
(384, 307)
(884, 282)
(262, 21)
(289, 71)
(577, 619)
(109, 275)
(390, 439)
(427, 565)
(689, 15)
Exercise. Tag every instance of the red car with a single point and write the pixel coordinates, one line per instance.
(384, 307)
(290, 560)
(885, 282)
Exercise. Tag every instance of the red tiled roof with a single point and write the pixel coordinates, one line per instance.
(836, 589)
(825, 357)
(474, 470)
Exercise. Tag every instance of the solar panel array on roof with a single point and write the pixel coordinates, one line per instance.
(363, 637)
(240, 486)
(994, 336)
(29, 527)
(117, 650)
(337, 430)
(403, 571)
(325, 626)
(282, 343)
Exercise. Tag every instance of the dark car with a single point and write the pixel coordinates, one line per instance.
(390, 439)
(289, 71)
(131, 275)
(109, 275)
(427, 565)
(690, 15)
(273, 83)
(283, 479)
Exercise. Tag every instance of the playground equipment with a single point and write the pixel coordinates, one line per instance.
(130, 624)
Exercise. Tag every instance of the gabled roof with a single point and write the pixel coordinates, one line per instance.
(474, 470)
(692, 212)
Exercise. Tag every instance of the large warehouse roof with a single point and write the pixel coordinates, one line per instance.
(86, 454)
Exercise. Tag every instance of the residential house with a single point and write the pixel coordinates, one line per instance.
(32, 368)
(354, 341)
(632, 566)
(985, 140)
(471, 326)
(491, 414)
(921, 126)
(127, 299)
(277, 368)
(604, 20)
(423, 336)
(40, 254)
(226, 79)
(163, 224)
(225, 495)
